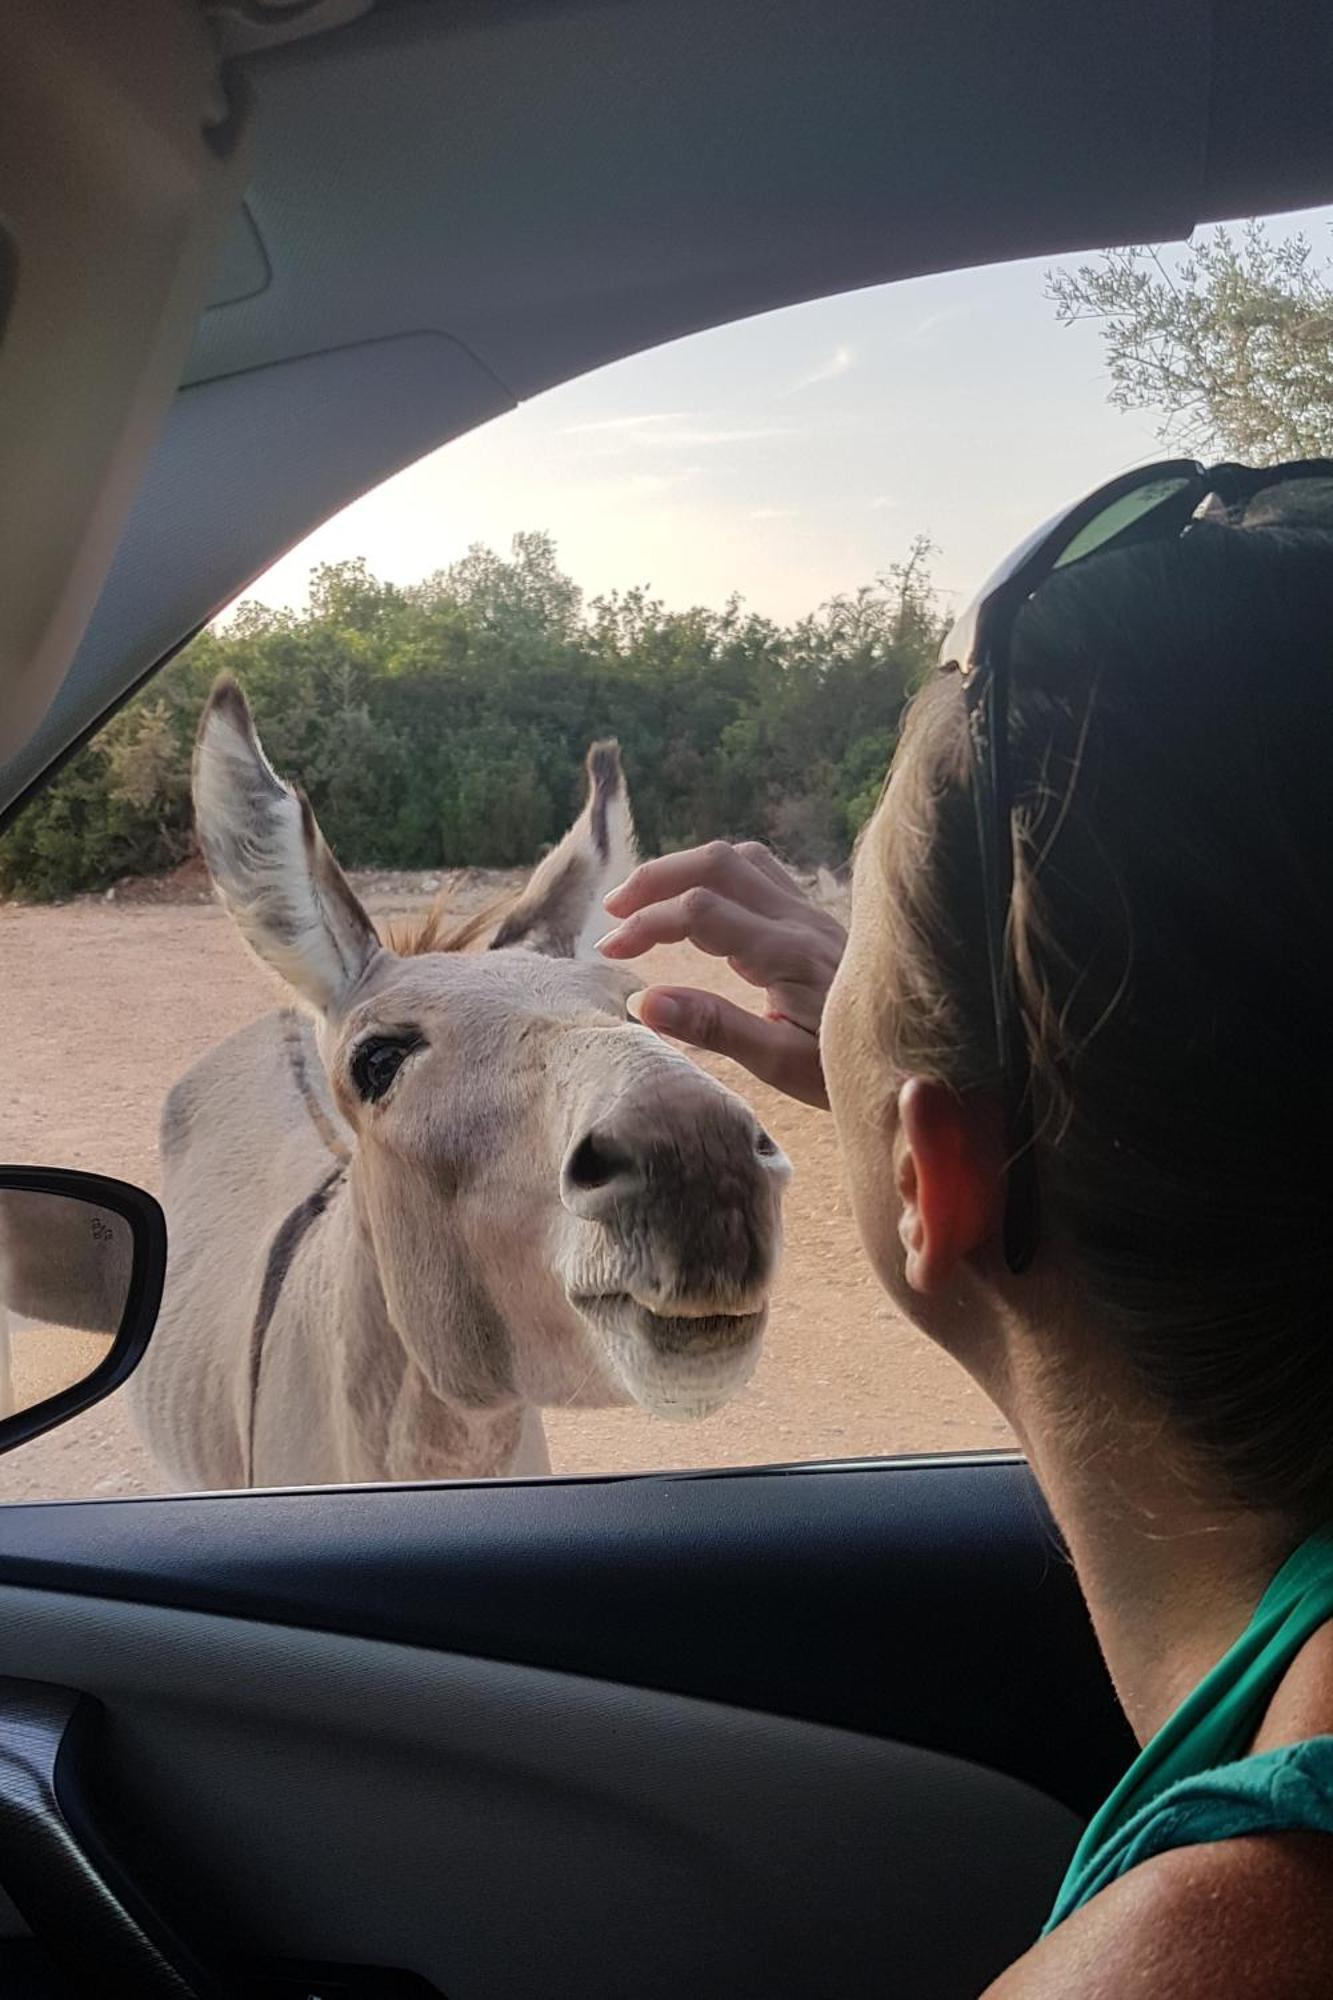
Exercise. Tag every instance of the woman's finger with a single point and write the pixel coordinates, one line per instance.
(767, 863)
(717, 867)
(777, 1052)
(769, 951)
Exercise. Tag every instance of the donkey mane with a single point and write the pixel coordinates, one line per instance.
(563, 870)
(413, 937)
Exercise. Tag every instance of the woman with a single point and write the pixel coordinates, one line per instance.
(1077, 1053)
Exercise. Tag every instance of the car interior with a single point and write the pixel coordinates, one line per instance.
(820, 1729)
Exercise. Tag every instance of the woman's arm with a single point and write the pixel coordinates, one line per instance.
(736, 903)
(1243, 1919)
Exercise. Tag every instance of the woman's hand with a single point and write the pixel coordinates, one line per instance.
(736, 903)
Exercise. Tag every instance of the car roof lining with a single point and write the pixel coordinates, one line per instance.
(463, 202)
(350, 416)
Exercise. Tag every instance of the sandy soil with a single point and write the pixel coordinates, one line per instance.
(105, 1003)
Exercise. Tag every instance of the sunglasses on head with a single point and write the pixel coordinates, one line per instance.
(1156, 503)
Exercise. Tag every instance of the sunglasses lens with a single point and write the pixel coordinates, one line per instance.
(1119, 517)
(1122, 514)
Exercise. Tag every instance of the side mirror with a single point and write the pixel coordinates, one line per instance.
(82, 1260)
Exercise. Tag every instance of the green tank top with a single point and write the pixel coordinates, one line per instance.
(1193, 1782)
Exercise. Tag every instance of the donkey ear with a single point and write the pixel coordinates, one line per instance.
(269, 862)
(560, 912)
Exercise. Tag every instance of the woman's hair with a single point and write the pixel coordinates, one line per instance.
(1172, 927)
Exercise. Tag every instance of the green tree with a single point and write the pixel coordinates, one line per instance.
(446, 723)
(1233, 345)
(525, 595)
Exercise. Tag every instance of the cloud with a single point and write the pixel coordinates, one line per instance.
(644, 422)
(671, 431)
(838, 363)
(883, 502)
(742, 435)
(933, 321)
(772, 514)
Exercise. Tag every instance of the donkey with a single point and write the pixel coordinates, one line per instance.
(456, 1185)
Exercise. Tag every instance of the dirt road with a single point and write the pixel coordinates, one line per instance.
(104, 1004)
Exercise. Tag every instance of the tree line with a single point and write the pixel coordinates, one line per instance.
(444, 724)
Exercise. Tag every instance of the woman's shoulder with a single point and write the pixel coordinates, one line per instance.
(1230, 1918)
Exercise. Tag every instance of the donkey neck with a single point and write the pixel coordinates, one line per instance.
(334, 1345)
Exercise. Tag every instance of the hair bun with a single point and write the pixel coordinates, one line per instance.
(1288, 503)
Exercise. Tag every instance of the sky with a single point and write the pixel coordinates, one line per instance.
(786, 457)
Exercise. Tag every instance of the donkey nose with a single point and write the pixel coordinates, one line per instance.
(599, 1172)
(604, 1169)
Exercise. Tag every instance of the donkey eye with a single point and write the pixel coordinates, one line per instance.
(377, 1061)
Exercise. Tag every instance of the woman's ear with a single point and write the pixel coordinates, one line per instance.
(949, 1170)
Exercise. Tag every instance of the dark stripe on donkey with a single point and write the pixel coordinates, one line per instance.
(290, 1235)
(294, 1043)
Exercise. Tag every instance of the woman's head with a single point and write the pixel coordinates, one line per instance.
(1172, 928)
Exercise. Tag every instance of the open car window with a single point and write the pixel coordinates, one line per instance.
(733, 556)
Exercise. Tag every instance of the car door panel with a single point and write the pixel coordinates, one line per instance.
(511, 1832)
(788, 1732)
(928, 1600)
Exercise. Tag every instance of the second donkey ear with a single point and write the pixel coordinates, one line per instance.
(270, 863)
(560, 912)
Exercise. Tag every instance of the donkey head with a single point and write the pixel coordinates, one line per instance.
(560, 1209)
